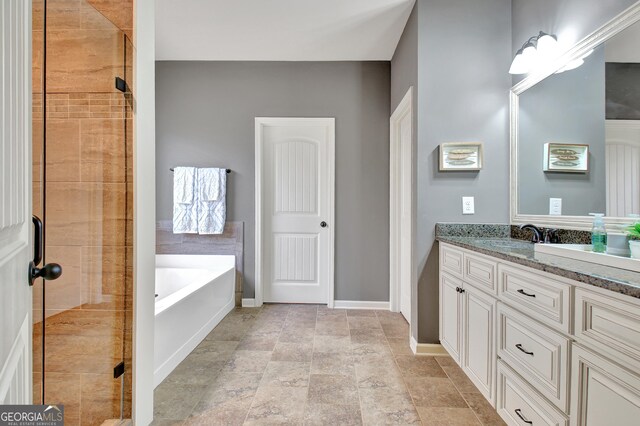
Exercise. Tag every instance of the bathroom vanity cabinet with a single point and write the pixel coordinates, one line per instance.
(542, 348)
(467, 320)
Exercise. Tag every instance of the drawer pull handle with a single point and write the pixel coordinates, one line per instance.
(523, 418)
(521, 291)
(519, 346)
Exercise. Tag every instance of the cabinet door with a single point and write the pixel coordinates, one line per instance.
(478, 340)
(603, 392)
(450, 315)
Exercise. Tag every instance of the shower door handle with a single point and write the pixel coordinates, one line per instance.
(37, 240)
(50, 271)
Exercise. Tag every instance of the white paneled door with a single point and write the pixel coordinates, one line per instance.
(623, 167)
(401, 207)
(294, 209)
(15, 204)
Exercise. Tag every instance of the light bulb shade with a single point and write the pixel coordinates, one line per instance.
(529, 57)
(571, 66)
(547, 45)
(530, 54)
(518, 66)
(538, 51)
(586, 55)
(524, 60)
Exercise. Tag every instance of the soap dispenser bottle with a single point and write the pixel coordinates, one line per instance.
(598, 233)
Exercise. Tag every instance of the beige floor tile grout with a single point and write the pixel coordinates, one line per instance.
(395, 360)
(472, 410)
(355, 373)
(253, 399)
(462, 395)
(202, 396)
(291, 316)
(313, 348)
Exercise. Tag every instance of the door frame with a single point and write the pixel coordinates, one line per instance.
(16, 229)
(260, 123)
(404, 108)
(144, 211)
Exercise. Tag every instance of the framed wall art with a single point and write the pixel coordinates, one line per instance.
(460, 156)
(566, 158)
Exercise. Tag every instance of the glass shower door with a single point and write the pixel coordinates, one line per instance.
(82, 321)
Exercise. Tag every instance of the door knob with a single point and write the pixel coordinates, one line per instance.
(50, 271)
(323, 224)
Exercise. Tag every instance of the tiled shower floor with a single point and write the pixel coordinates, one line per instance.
(306, 364)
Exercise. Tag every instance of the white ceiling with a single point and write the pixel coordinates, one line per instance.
(279, 30)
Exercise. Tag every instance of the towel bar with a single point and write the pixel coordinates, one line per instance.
(227, 170)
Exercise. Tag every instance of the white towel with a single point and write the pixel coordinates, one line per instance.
(213, 214)
(185, 201)
(209, 184)
(184, 184)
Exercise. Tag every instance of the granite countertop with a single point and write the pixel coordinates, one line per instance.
(522, 252)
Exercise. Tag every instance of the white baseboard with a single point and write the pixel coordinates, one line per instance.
(338, 304)
(248, 303)
(431, 349)
(357, 304)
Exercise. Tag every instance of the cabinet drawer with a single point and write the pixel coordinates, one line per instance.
(544, 298)
(451, 260)
(518, 403)
(481, 272)
(609, 324)
(536, 352)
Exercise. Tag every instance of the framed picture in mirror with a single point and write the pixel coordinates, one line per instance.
(566, 158)
(460, 156)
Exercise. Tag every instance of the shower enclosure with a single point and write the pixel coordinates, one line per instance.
(82, 193)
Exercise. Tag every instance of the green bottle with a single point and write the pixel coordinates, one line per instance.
(598, 234)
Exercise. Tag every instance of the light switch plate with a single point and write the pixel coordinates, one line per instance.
(468, 206)
(555, 206)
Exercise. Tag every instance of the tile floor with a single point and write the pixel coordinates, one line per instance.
(306, 364)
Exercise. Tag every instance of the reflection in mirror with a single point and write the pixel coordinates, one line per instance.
(596, 104)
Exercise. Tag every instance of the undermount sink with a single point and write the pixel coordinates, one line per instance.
(503, 243)
(584, 252)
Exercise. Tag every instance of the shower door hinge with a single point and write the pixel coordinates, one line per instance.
(121, 85)
(118, 370)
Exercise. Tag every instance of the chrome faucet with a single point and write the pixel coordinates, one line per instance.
(537, 232)
(550, 236)
(544, 235)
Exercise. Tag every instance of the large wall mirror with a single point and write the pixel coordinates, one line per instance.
(575, 132)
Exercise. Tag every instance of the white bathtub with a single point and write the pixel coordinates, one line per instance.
(194, 293)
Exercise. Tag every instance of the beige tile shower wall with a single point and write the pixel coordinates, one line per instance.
(89, 206)
(230, 242)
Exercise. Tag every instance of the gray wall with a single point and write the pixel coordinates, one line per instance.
(205, 117)
(404, 74)
(463, 57)
(404, 64)
(564, 108)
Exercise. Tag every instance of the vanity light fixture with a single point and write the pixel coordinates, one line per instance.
(575, 63)
(541, 47)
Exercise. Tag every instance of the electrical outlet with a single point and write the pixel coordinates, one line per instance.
(555, 206)
(468, 205)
